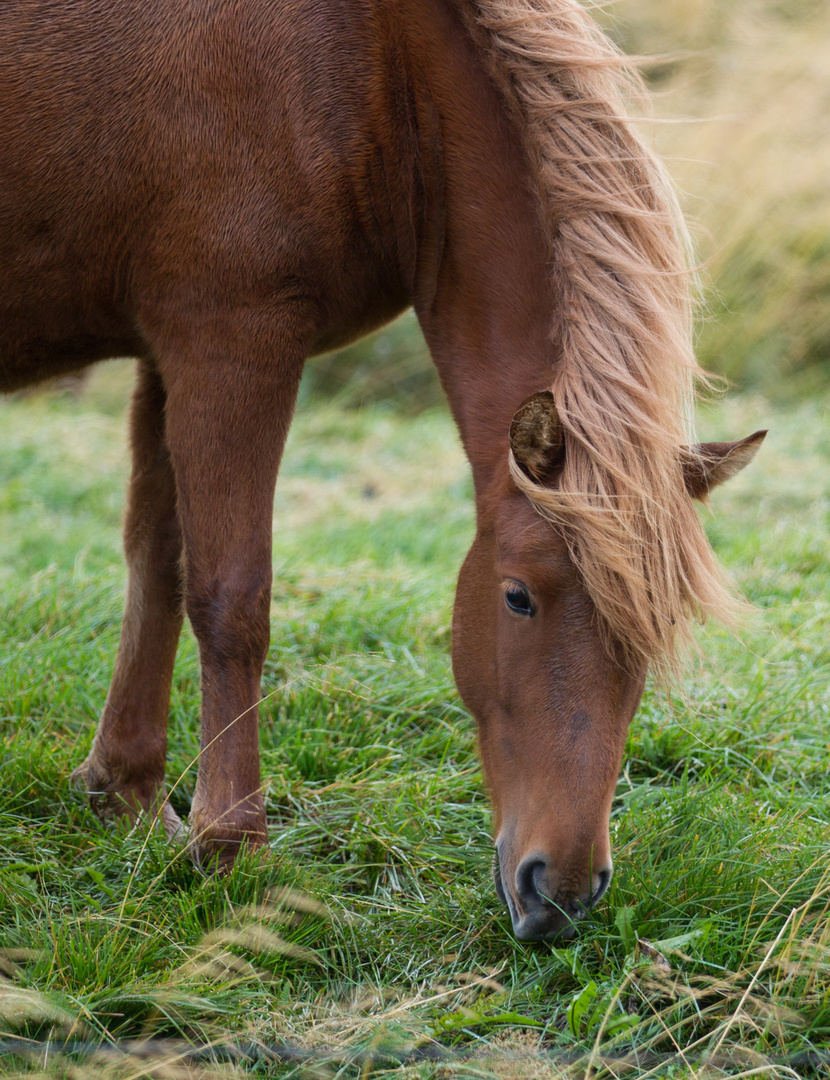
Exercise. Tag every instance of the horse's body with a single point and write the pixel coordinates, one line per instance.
(225, 188)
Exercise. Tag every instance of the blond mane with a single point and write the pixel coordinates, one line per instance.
(624, 377)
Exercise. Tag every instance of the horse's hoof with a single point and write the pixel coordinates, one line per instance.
(96, 783)
(110, 801)
(214, 847)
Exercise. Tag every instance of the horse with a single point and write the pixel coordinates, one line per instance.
(222, 189)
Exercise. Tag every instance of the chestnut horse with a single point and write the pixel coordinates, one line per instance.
(227, 187)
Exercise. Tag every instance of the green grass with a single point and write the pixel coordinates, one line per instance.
(374, 792)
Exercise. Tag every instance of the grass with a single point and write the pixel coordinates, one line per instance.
(749, 83)
(713, 941)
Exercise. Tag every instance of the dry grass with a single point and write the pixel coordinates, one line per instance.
(653, 1018)
(752, 78)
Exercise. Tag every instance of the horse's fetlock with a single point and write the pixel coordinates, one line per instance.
(114, 793)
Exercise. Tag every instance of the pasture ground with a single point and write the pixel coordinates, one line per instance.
(711, 953)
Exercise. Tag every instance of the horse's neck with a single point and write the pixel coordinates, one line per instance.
(482, 288)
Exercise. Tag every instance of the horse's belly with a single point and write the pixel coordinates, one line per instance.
(56, 313)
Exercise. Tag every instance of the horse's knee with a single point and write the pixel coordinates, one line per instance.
(230, 618)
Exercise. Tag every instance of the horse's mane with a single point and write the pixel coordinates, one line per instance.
(623, 381)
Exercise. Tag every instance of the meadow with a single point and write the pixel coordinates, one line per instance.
(371, 934)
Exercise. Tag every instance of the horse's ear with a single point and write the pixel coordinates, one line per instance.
(709, 464)
(536, 437)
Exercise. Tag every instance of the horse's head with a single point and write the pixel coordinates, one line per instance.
(552, 702)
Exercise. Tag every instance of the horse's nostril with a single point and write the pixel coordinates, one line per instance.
(604, 881)
(530, 881)
(543, 908)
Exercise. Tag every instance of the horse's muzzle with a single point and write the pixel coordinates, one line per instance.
(539, 910)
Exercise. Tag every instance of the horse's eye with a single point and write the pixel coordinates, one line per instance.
(518, 599)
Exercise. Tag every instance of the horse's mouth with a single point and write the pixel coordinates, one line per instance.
(547, 921)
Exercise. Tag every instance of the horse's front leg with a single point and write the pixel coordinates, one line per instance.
(226, 421)
(124, 772)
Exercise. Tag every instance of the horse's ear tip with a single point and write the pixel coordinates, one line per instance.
(711, 464)
(752, 443)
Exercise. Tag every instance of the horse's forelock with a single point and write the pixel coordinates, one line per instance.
(625, 372)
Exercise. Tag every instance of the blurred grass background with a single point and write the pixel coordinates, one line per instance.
(750, 95)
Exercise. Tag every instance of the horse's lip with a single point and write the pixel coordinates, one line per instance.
(527, 930)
